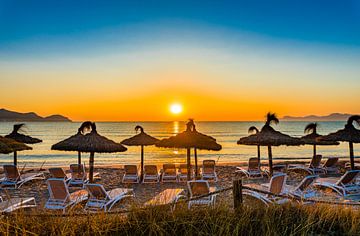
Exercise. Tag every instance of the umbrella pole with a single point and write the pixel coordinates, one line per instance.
(91, 171)
(15, 158)
(258, 153)
(142, 163)
(196, 163)
(188, 164)
(270, 160)
(351, 147)
(79, 158)
(314, 147)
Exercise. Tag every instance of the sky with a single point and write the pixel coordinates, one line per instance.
(220, 60)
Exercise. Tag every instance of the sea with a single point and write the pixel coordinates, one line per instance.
(226, 134)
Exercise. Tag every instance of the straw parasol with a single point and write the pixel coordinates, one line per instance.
(142, 139)
(21, 138)
(312, 138)
(348, 134)
(188, 139)
(253, 129)
(270, 137)
(71, 143)
(12, 145)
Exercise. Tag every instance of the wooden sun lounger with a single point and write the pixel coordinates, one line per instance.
(169, 173)
(208, 171)
(131, 174)
(198, 188)
(16, 203)
(168, 196)
(253, 170)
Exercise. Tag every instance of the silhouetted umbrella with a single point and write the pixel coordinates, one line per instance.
(142, 139)
(348, 134)
(270, 137)
(22, 138)
(5, 149)
(72, 143)
(313, 137)
(253, 129)
(190, 139)
(13, 145)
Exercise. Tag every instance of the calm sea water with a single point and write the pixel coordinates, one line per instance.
(226, 133)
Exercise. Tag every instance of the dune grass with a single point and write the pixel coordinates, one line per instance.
(222, 220)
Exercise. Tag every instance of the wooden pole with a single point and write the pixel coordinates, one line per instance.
(258, 153)
(351, 147)
(237, 193)
(142, 164)
(79, 158)
(196, 164)
(270, 160)
(91, 171)
(15, 158)
(314, 147)
(188, 164)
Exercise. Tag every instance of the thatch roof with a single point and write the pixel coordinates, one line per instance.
(270, 137)
(348, 134)
(313, 139)
(5, 149)
(141, 139)
(14, 145)
(91, 142)
(22, 138)
(190, 139)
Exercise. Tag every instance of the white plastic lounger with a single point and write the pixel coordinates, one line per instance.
(102, 200)
(151, 174)
(198, 188)
(182, 173)
(60, 198)
(276, 186)
(169, 173)
(304, 189)
(345, 186)
(168, 196)
(14, 204)
(208, 171)
(253, 170)
(313, 168)
(330, 166)
(59, 173)
(13, 178)
(131, 174)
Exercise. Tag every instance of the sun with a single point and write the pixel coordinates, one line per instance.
(176, 108)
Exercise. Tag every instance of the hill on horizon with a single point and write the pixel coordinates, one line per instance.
(330, 117)
(7, 115)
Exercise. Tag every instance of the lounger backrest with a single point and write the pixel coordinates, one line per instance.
(57, 172)
(130, 169)
(183, 169)
(331, 162)
(151, 170)
(198, 187)
(11, 172)
(58, 189)
(277, 183)
(77, 171)
(169, 169)
(349, 177)
(306, 182)
(208, 166)
(253, 163)
(316, 161)
(97, 191)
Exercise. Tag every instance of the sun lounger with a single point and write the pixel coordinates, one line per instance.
(253, 170)
(198, 188)
(208, 170)
(169, 173)
(345, 186)
(168, 196)
(102, 200)
(16, 203)
(304, 189)
(182, 172)
(59, 173)
(13, 178)
(313, 168)
(131, 174)
(330, 166)
(151, 174)
(60, 198)
(276, 186)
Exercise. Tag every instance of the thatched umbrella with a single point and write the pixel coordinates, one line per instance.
(255, 130)
(5, 149)
(312, 138)
(71, 143)
(188, 139)
(21, 138)
(13, 145)
(142, 139)
(348, 134)
(270, 137)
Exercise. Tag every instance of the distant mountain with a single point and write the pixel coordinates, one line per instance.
(331, 117)
(6, 115)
